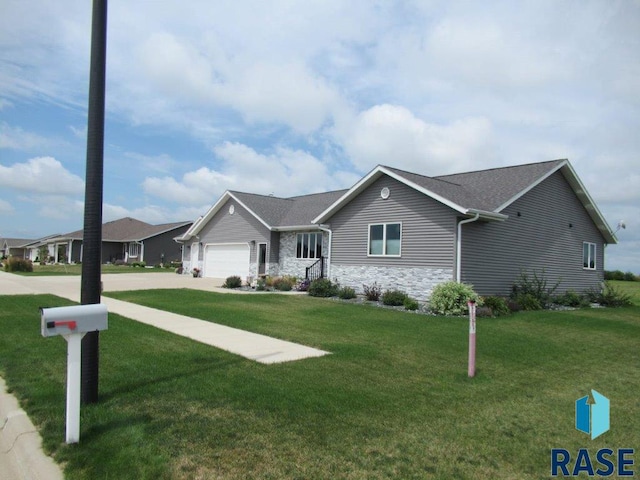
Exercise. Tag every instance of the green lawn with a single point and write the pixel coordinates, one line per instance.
(630, 288)
(392, 401)
(76, 269)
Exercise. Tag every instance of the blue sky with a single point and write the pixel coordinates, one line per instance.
(297, 97)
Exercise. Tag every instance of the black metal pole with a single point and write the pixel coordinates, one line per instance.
(92, 240)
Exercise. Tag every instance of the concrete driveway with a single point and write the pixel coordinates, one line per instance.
(69, 286)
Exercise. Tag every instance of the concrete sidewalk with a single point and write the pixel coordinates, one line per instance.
(253, 346)
(21, 455)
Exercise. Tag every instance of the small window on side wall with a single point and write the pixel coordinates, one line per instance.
(589, 256)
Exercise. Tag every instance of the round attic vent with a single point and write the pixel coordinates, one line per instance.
(385, 192)
(231, 209)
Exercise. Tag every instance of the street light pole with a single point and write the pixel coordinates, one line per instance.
(90, 289)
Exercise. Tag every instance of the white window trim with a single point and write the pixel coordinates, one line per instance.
(384, 240)
(595, 256)
(301, 257)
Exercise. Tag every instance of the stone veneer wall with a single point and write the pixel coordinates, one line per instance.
(416, 282)
(289, 264)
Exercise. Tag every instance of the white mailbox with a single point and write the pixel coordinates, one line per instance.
(74, 319)
(73, 323)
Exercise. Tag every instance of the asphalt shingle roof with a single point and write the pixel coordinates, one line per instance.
(128, 230)
(482, 189)
(16, 242)
(286, 212)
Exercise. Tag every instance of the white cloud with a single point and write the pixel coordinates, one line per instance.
(393, 135)
(284, 172)
(162, 163)
(195, 188)
(286, 93)
(41, 175)
(15, 138)
(153, 214)
(6, 207)
(79, 132)
(58, 207)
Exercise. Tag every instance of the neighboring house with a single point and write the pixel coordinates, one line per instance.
(127, 239)
(411, 232)
(22, 248)
(15, 247)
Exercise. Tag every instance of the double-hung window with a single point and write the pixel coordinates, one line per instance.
(385, 239)
(589, 255)
(134, 249)
(309, 245)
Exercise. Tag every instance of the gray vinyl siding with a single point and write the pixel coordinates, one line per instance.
(76, 250)
(241, 227)
(548, 235)
(428, 228)
(155, 247)
(111, 251)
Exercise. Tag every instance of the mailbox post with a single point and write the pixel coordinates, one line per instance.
(73, 323)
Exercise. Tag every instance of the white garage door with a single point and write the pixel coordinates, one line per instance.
(225, 260)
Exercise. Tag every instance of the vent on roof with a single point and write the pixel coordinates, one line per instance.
(385, 192)
(231, 209)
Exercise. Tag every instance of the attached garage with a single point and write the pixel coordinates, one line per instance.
(223, 260)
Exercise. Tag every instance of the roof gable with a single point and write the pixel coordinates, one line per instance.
(483, 192)
(275, 213)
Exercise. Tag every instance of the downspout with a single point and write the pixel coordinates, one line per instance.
(459, 245)
(328, 230)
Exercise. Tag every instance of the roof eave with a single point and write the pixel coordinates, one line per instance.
(581, 192)
(294, 228)
(486, 215)
(589, 205)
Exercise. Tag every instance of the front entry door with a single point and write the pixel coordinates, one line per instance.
(262, 259)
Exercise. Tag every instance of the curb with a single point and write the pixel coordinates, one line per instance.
(21, 455)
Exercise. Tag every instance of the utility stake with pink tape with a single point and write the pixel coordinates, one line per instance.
(472, 338)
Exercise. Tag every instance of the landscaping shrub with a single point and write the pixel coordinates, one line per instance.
(139, 264)
(303, 285)
(233, 281)
(450, 298)
(43, 254)
(610, 296)
(322, 287)
(346, 293)
(411, 304)
(372, 292)
(571, 299)
(394, 298)
(261, 285)
(14, 264)
(498, 305)
(284, 284)
(536, 286)
(527, 301)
